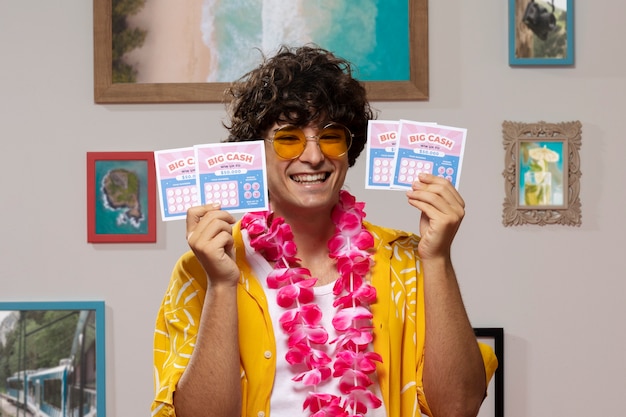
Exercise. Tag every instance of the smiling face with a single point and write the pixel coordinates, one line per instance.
(306, 185)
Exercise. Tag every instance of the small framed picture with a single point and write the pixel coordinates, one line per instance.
(542, 173)
(121, 197)
(52, 358)
(541, 32)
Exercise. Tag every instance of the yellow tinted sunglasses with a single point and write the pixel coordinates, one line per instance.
(334, 140)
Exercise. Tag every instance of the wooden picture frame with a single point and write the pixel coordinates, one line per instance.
(52, 357)
(121, 197)
(542, 173)
(108, 92)
(541, 32)
(493, 406)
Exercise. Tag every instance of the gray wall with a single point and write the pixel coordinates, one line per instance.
(557, 291)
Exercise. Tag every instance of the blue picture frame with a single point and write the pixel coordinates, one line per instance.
(550, 42)
(75, 384)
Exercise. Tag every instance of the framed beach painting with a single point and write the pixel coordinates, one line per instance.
(493, 406)
(541, 32)
(162, 51)
(52, 358)
(121, 197)
(542, 173)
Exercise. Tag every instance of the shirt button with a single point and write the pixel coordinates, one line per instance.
(261, 414)
(267, 355)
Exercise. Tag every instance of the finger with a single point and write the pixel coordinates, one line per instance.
(195, 213)
(436, 191)
(212, 239)
(214, 231)
(436, 207)
(198, 217)
(214, 248)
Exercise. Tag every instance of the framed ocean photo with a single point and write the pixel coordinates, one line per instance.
(162, 51)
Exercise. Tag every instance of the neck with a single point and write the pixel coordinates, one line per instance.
(311, 235)
(309, 229)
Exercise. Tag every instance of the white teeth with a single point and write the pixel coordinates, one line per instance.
(309, 177)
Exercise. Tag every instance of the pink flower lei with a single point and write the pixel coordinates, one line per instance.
(352, 363)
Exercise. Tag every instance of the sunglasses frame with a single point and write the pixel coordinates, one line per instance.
(350, 137)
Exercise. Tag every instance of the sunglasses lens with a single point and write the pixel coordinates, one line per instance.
(335, 140)
(289, 142)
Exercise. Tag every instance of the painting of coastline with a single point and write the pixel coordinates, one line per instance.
(217, 41)
(122, 197)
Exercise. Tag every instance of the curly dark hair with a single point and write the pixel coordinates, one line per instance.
(299, 86)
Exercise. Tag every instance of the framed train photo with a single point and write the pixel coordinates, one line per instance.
(52, 359)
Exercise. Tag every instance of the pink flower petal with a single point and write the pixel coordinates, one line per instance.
(352, 379)
(317, 335)
(313, 376)
(311, 314)
(297, 354)
(286, 296)
(289, 319)
(344, 317)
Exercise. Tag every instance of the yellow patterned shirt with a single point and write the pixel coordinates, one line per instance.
(398, 329)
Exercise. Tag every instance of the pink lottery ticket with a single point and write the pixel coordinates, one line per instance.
(381, 147)
(176, 181)
(233, 174)
(430, 148)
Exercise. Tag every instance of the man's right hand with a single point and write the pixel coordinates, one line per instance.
(209, 234)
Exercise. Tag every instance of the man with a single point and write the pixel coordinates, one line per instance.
(308, 309)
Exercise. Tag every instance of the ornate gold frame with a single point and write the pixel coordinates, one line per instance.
(569, 213)
(105, 91)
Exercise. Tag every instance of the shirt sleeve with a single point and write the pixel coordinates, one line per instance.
(489, 359)
(175, 331)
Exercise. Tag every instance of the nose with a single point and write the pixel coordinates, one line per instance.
(312, 152)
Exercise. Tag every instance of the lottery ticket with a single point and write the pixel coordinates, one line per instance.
(176, 181)
(233, 174)
(429, 148)
(380, 152)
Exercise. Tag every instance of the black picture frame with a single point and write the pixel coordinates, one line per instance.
(494, 336)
